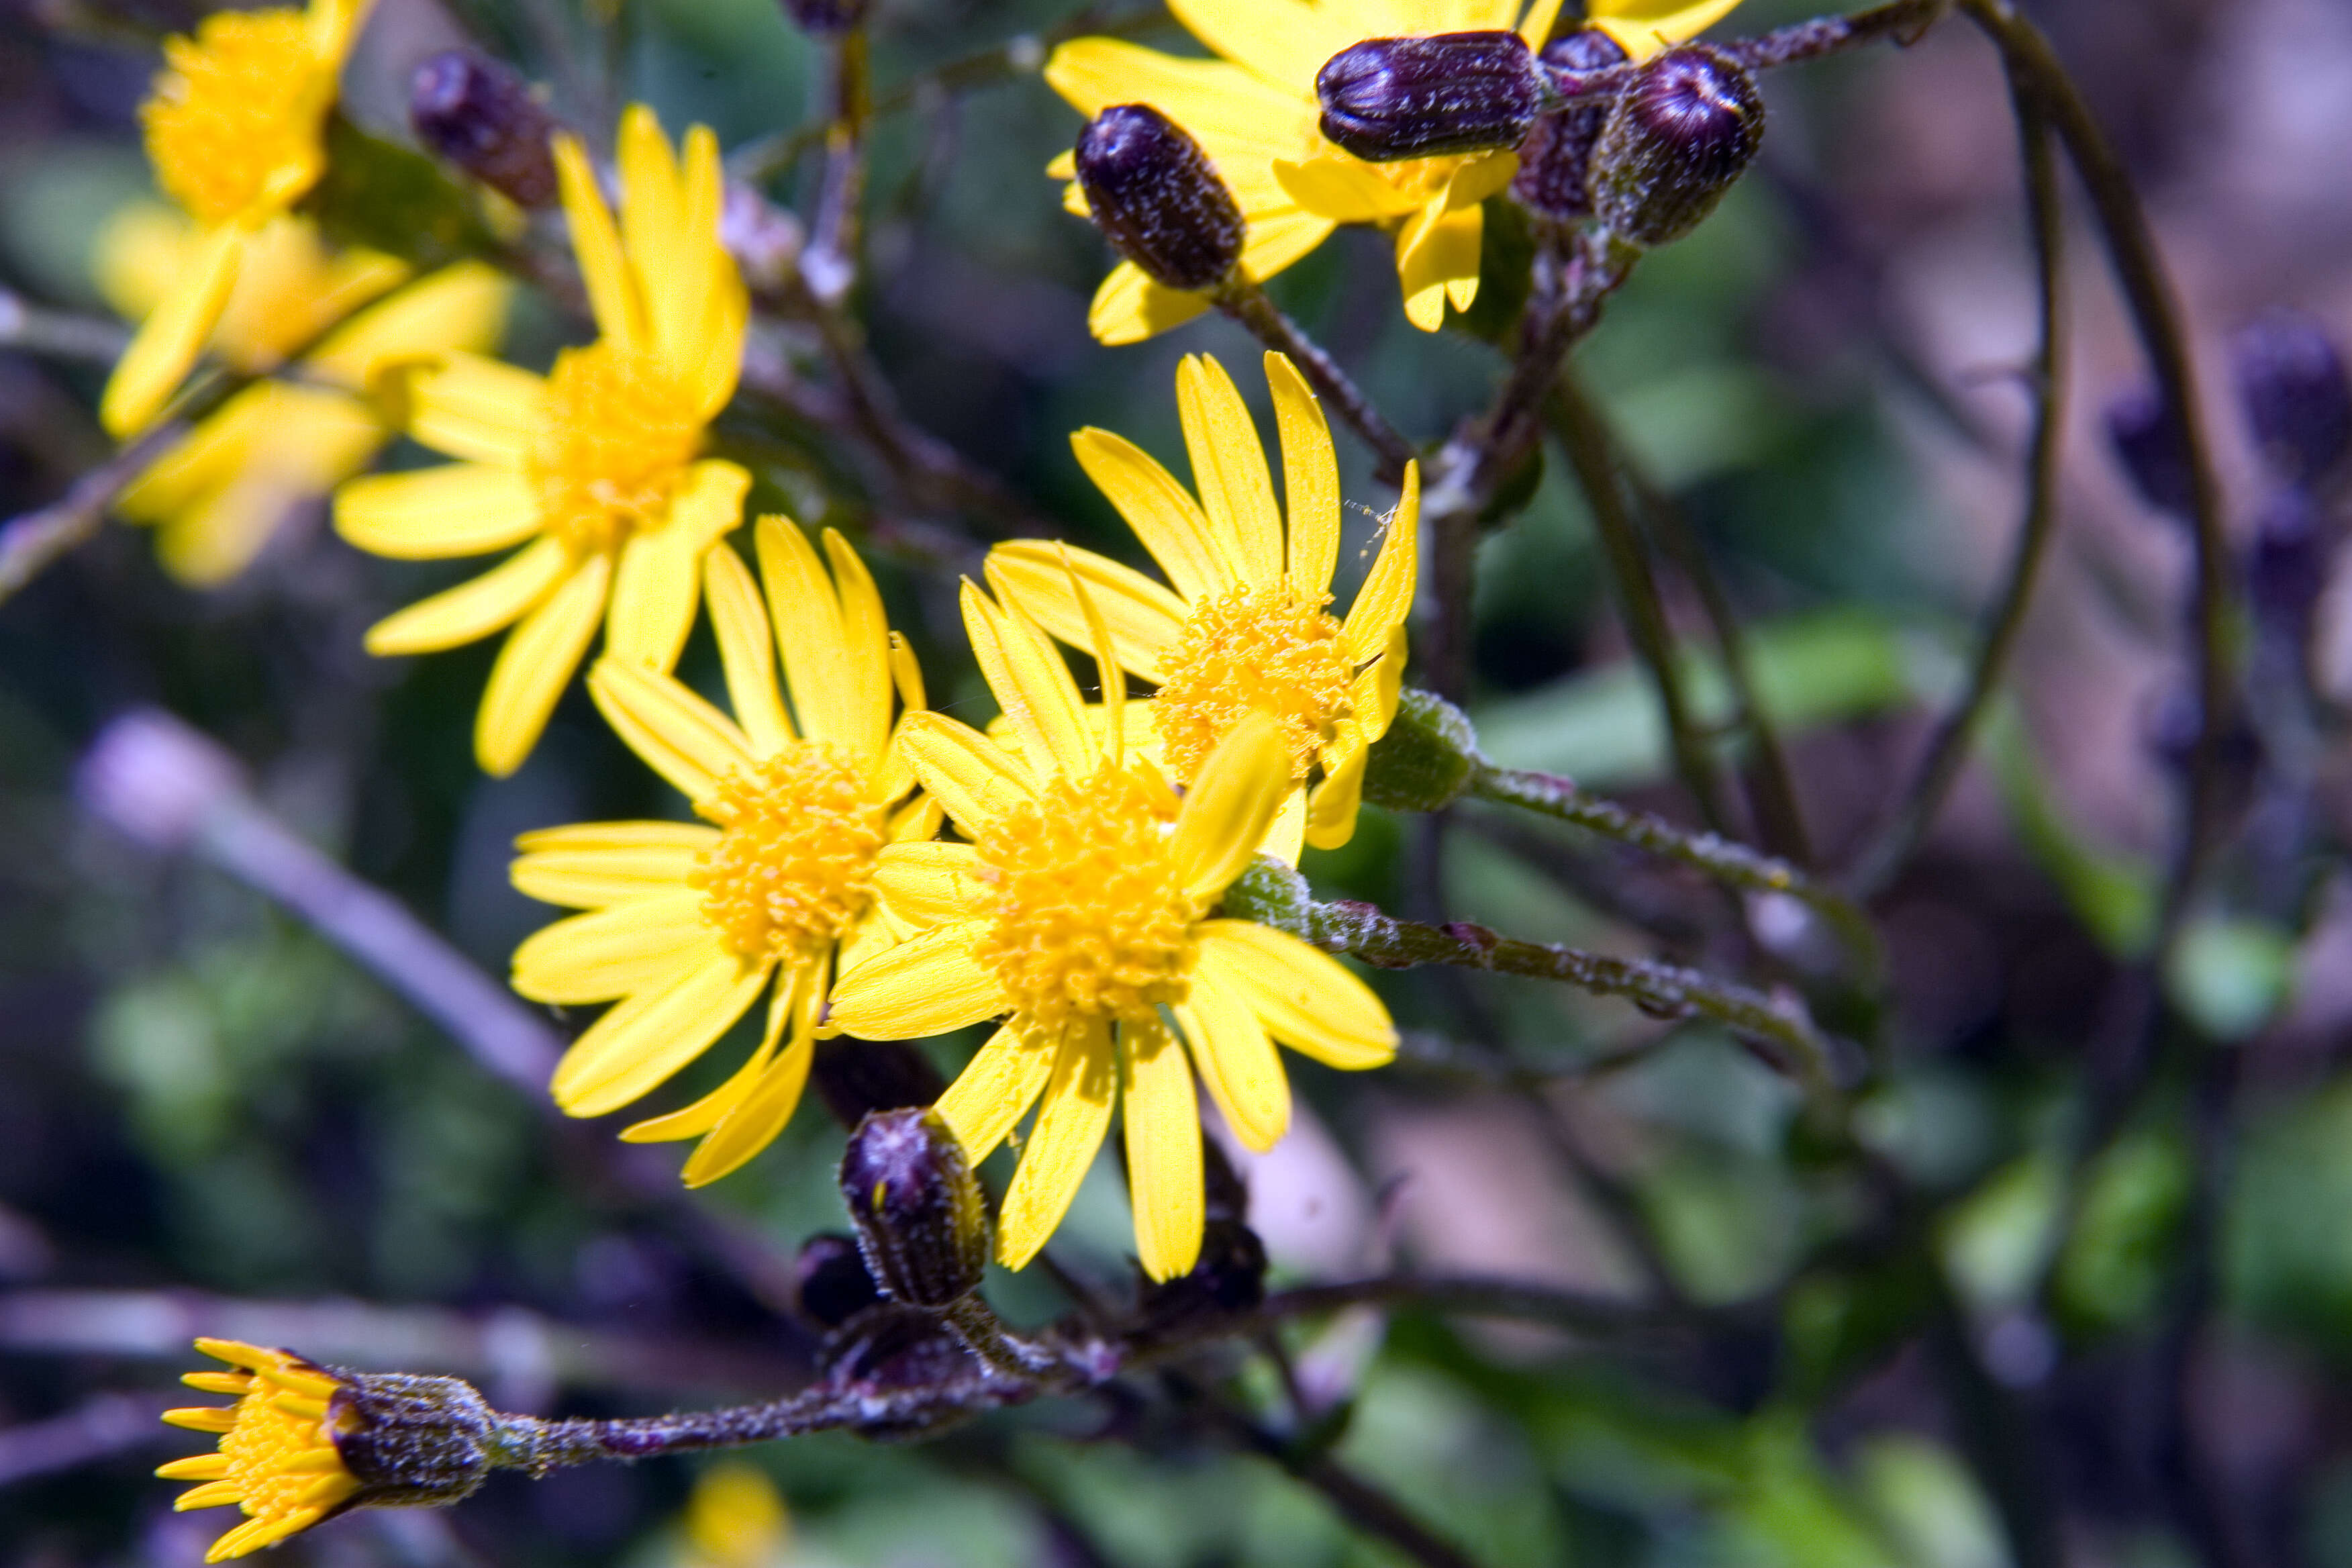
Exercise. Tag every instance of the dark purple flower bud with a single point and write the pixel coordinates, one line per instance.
(827, 17)
(480, 115)
(2296, 395)
(1386, 99)
(917, 1207)
(2154, 451)
(1153, 194)
(2287, 565)
(830, 1285)
(1555, 159)
(1679, 136)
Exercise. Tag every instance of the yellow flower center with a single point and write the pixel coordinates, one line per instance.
(1265, 650)
(1090, 918)
(795, 866)
(613, 439)
(234, 122)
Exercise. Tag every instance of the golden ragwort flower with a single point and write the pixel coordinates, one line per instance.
(278, 1459)
(217, 496)
(1253, 112)
(593, 463)
(1246, 630)
(234, 130)
(1080, 907)
(688, 923)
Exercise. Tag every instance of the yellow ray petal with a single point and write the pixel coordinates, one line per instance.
(680, 736)
(1310, 479)
(866, 648)
(202, 1418)
(584, 837)
(1643, 28)
(971, 775)
(747, 651)
(646, 1039)
(709, 357)
(639, 945)
(807, 616)
(1542, 16)
(1107, 720)
(591, 876)
(752, 1125)
(1229, 470)
(1070, 1126)
(695, 1120)
(1237, 118)
(1144, 619)
(1032, 684)
(906, 674)
(1163, 1150)
(1342, 189)
(458, 509)
(926, 986)
(1331, 810)
(460, 307)
(659, 582)
(1131, 306)
(1372, 695)
(1283, 41)
(1237, 1063)
(930, 884)
(995, 1091)
(1480, 177)
(604, 266)
(198, 1468)
(1305, 997)
(536, 664)
(1386, 597)
(169, 341)
(480, 409)
(652, 226)
(1230, 806)
(1288, 831)
(1165, 519)
(471, 611)
(1434, 249)
(213, 1494)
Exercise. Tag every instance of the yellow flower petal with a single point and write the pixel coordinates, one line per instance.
(1069, 1130)
(1237, 1063)
(536, 664)
(458, 509)
(1229, 470)
(1434, 249)
(1642, 27)
(754, 1122)
(1386, 597)
(1163, 1150)
(652, 224)
(1230, 806)
(807, 615)
(476, 408)
(1041, 702)
(1478, 178)
(1131, 306)
(659, 582)
(646, 1038)
(1310, 479)
(1144, 619)
(926, 986)
(866, 649)
(169, 341)
(197, 1467)
(1165, 517)
(1343, 189)
(747, 651)
(471, 611)
(1305, 997)
(971, 775)
(930, 884)
(604, 265)
(460, 307)
(1331, 810)
(615, 862)
(1287, 831)
(995, 1091)
(1241, 122)
(695, 1120)
(1284, 41)
(680, 736)
(1542, 16)
(639, 945)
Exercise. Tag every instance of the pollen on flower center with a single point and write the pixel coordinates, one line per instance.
(795, 865)
(1266, 650)
(613, 439)
(234, 119)
(1090, 918)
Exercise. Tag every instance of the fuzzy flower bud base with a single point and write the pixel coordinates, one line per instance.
(1675, 143)
(916, 1207)
(1427, 759)
(1153, 194)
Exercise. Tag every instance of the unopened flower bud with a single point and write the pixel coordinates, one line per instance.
(1425, 760)
(1153, 194)
(916, 1207)
(2296, 395)
(1555, 160)
(410, 1439)
(478, 114)
(830, 1285)
(1679, 136)
(826, 17)
(1387, 99)
(2286, 566)
(2153, 449)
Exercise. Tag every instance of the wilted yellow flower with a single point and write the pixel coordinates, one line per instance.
(235, 130)
(278, 1459)
(216, 497)
(594, 463)
(1253, 112)
(1080, 907)
(688, 924)
(1246, 630)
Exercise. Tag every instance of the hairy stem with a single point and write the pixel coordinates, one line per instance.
(1246, 303)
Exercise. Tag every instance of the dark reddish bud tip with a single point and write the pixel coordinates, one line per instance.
(2296, 395)
(1153, 194)
(1386, 99)
(826, 17)
(481, 116)
(1555, 160)
(917, 1207)
(2153, 449)
(830, 1285)
(1688, 128)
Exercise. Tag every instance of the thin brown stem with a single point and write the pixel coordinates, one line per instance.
(1246, 303)
(830, 263)
(31, 543)
(60, 334)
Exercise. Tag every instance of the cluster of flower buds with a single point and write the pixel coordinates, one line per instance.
(1555, 159)
(1157, 199)
(478, 113)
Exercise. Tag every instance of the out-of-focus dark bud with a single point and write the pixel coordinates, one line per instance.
(1386, 99)
(2296, 395)
(1686, 129)
(1153, 194)
(2153, 449)
(830, 1285)
(1555, 160)
(2286, 566)
(916, 1207)
(827, 17)
(857, 1078)
(478, 114)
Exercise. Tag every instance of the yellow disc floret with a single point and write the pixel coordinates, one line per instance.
(278, 1459)
(232, 128)
(795, 866)
(1267, 650)
(615, 437)
(1089, 919)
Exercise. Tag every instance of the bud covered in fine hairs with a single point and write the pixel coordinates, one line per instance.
(826, 17)
(830, 1285)
(916, 1207)
(1425, 760)
(1678, 138)
(2296, 395)
(1386, 99)
(2153, 449)
(413, 1440)
(1555, 160)
(478, 113)
(1152, 191)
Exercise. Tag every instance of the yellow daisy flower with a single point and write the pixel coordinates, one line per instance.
(593, 463)
(1254, 113)
(216, 497)
(688, 924)
(278, 1459)
(1080, 908)
(1246, 630)
(235, 132)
